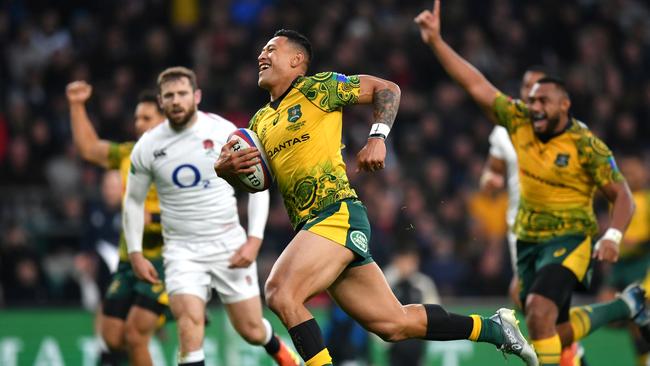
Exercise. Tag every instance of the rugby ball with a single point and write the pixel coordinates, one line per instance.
(262, 177)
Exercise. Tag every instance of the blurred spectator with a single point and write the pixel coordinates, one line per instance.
(100, 241)
(410, 286)
(346, 339)
(21, 276)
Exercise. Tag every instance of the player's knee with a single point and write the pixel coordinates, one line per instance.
(275, 296)
(540, 314)
(134, 336)
(389, 331)
(189, 322)
(253, 332)
(114, 339)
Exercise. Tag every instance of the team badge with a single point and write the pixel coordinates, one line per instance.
(559, 252)
(562, 160)
(294, 113)
(360, 240)
(208, 145)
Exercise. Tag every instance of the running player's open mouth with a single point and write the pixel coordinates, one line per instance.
(539, 119)
(263, 67)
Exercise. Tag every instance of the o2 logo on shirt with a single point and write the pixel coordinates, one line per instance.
(188, 176)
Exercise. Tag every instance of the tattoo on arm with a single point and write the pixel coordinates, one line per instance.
(385, 105)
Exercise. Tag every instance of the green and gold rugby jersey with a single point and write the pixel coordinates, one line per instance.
(637, 236)
(119, 157)
(302, 138)
(558, 178)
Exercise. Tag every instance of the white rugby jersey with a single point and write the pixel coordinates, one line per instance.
(501, 148)
(196, 205)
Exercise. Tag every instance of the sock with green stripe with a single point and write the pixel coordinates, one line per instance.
(486, 330)
(585, 319)
(548, 350)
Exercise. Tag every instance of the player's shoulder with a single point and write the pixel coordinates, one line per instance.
(152, 137)
(499, 131)
(213, 119)
(587, 142)
(580, 131)
(323, 77)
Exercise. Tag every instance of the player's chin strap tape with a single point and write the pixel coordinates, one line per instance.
(379, 131)
(612, 234)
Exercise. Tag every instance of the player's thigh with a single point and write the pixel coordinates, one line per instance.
(245, 311)
(365, 295)
(307, 266)
(246, 317)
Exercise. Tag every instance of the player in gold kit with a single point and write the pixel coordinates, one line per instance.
(561, 164)
(300, 130)
(132, 308)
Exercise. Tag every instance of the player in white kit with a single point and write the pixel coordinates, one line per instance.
(205, 246)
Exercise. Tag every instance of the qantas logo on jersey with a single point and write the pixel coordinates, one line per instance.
(287, 144)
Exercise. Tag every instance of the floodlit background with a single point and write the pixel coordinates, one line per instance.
(54, 207)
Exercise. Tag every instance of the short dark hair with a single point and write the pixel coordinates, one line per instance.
(559, 83)
(298, 39)
(539, 69)
(149, 96)
(177, 72)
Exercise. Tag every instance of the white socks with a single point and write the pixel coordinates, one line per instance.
(194, 356)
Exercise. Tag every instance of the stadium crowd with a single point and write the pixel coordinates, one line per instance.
(54, 209)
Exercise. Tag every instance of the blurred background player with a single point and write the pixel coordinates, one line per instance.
(132, 308)
(205, 246)
(301, 128)
(501, 171)
(634, 258)
(561, 163)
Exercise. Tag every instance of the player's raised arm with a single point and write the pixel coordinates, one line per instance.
(481, 90)
(384, 96)
(91, 148)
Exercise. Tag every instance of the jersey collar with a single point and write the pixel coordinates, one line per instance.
(276, 103)
(547, 138)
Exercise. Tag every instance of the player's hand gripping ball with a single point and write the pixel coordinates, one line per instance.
(262, 177)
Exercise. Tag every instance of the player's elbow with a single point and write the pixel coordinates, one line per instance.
(631, 206)
(394, 89)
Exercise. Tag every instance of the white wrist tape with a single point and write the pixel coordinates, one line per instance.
(614, 235)
(379, 130)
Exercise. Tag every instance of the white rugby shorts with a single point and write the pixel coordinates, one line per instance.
(197, 267)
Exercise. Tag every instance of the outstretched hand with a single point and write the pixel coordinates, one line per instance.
(372, 156)
(429, 23)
